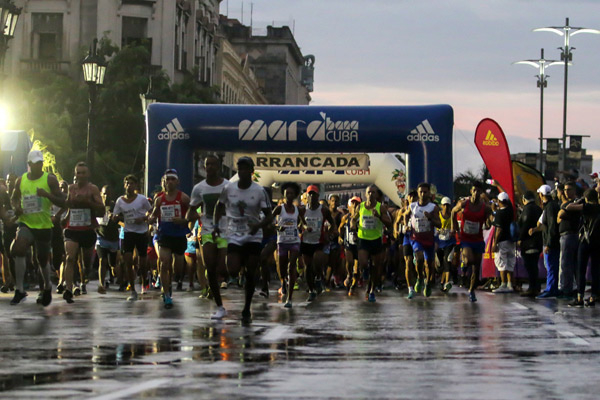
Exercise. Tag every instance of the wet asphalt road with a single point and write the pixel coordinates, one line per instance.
(103, 347)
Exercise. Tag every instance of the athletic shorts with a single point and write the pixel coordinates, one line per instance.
(309, 249)
(373, 247)
(85, 239)
(208, 238)
(108, 245)
(246, 249)
(428, 251)
(151, 252)
(105, 253)
(191, 255)
(407, 250)
(42, 238)
(177, 244)
(138, 241)
(269, 239)
(352, 248)
(284, 248)
(477, 247)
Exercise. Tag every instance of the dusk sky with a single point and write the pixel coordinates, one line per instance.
(459, 52)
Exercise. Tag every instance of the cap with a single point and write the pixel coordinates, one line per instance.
(446, 200)
(245, 160)
(171, 173)
(503, 196)
(312, 188)
(545, 190)
(355, 198)
(35, 156)
(594, 175)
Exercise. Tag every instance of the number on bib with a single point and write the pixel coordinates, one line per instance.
(80, 217)
(32, 204)
(471, 227)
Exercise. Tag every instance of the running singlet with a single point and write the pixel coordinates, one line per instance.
(422, 230)
(369, 226)
(471, 227)
(314, 220)
(288, 226)
(82, 219)
(168, 211)
(208, 195)
(350, 235)
(243, 208)
(36, 209)
(444, 236)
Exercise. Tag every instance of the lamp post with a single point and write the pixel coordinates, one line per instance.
(9, 15)
(541, 64)
(147, 98)
(566, 56)
(94, 69)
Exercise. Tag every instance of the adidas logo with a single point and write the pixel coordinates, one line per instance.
(173, 131)
(490, 140)
(423, 133)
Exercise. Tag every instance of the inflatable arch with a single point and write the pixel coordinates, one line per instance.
(385, 171)
(424, 133)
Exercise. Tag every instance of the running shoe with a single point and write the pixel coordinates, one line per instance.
(447, 287)
(19, 297)
(4, 289)
(297, 286)
(68, 296)
(426, 290)
(101, 290)
(319, 286)
(576, 303)
(129, 288)
(347, 281)
(418, 285)
(219, 314)
(246, 317)
(144, 290)
(203, 293)
(547, 295)
(77, 291)
(133, 297)
(372, 297)
(472, 297)
(224, 285)
(189, 289)
(179, 286)
(590, 302)
(168, 301)
(264, 292)
(311, 296)
(283, 289)
(156, 284)
(288, 304)
(44, 298)
(351, 291)
(411, 294)
(83, 289)
(60, 289)
(378, 288)
(502, 289)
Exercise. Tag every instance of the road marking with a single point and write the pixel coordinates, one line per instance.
(574, 338)
(142, 387)
(520, 306)
(274, 334)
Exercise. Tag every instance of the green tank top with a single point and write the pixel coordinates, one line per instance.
(369, 227)
(36, 210)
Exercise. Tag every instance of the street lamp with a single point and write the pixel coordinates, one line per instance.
(147, 98)
(541, 64)
(9, 15)
(94, 70)
(566, 56)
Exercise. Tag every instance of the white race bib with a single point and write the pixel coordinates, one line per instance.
(471, 227)
(314, 223)
(422, 225)
(32, 204)
(444, 234)
(239, 226)
(169, 212)
(369, 222)
(129, 216)
(80, 217)
(352, 237)
(103, 221)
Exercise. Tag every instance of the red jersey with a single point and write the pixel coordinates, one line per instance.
(471, 227)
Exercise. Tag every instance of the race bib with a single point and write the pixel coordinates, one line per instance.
(129, 216)
(32, 204)
(444, 234)
(369, 222)
(239, 226)
(290, 229)
(422, 225)
(54, 210)
(169, 212)
(314, 223)
(103, 221)
(80, 217)
(471, 227)
(352, 237)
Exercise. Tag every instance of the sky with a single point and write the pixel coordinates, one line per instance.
(458, 52)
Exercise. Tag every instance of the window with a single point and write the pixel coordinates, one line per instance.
(135, 33)
(46, 38)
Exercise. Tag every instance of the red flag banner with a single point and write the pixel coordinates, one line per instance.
(492, 146)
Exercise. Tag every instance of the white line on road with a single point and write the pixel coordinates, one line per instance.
(520, 306)
(274, 334)
(142, 387)
(574, 338)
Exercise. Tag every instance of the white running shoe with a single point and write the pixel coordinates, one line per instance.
(219, 314)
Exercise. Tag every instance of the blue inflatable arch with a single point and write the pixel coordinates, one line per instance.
(424, 133)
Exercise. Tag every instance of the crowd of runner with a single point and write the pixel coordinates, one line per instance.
(231, 233)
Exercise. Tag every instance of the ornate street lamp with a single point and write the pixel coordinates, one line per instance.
(94, 70)
(9, 15)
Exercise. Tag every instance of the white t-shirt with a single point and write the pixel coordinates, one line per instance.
(131, 211)
(243, 207)
(208, 195)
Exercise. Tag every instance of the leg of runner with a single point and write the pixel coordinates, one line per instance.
(310, 276)
(87, 255)
(212, 258)
(267, 259)
(24, 239)
(252, 261)
(102, 267)
(291, 271)
(72, 254)
(319, 263)
(474, 260)
(166, 266)
(129, 274)
(190, 264)
(363, 263)
(420, 258)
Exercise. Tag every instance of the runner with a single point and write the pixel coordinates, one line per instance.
(7, 218)
(107, 244)
(403, 232)
(446, 240)
(424, 217)
(242, 203)
(32, 197)
(214, 248)
(313, 239)
(58, 240)
(350, 242)
(334, 263)
(289, 216)
(170, 208)
(369, 219)
(132, 209)
(475, 214)
(83, 201)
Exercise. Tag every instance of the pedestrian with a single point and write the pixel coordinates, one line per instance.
(504, 248)
(530, 245)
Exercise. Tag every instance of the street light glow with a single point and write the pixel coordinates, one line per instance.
(5, 120)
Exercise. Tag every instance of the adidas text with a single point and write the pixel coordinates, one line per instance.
(423, 137)
(173, 136)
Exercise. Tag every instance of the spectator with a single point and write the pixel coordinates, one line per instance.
(504, 248)
(568, 226)
(530, 245)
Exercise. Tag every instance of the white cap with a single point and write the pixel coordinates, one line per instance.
(446, 200)
(545, 190)
(35, 156)
(503, 196)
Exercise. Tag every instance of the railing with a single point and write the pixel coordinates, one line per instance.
(45, 65)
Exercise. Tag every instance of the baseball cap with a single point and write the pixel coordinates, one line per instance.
(171, 173)
(355, 198)
(545, 190)
(245, 161)
(503, 196)
(594, 175)
(446, 200)
(312, 188)
(35, 156)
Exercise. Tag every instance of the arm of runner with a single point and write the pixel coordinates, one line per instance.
(265, 221)
(327, 216)
(219, 212)
(384, 216)
(15, 200)
(155, 210)
(117, 212)
(56, 196)
(195, 202)
(276, 212)
(435, 218)
(185, 201)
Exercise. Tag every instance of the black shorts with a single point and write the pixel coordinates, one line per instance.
(407, 250)
(85, 239)
(138, 241)
(10, 232)
(104, 253)
(246, 249)
(177, 244)
(309, 249)
(374, 247)
(352, 248)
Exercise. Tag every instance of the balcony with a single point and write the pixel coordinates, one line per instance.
(45, 65)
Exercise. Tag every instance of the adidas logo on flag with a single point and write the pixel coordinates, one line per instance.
(173, 131)
(423, 133)
(490, 140)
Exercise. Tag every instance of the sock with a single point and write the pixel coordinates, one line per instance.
(20, 267)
